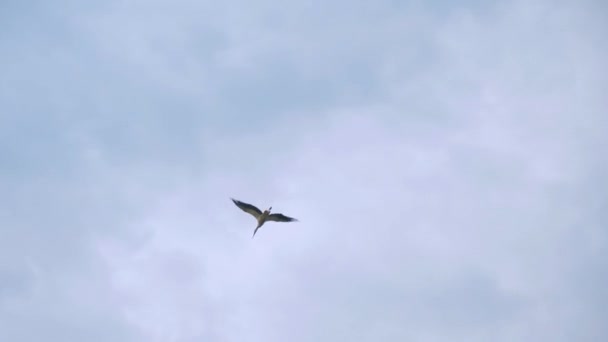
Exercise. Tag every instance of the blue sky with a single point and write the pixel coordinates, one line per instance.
(445, 161)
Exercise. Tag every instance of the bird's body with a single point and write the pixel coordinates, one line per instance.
(262, 217)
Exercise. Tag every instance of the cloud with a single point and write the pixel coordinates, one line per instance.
(443, 161)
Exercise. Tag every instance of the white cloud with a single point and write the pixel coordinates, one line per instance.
(447, 186)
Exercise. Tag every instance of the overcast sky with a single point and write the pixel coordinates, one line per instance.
(446, 160)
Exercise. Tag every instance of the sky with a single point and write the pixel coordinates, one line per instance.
(446, 161)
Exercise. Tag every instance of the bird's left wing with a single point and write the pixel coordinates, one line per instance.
(280, 218)
(248, 208)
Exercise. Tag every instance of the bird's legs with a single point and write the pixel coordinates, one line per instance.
(256, 229)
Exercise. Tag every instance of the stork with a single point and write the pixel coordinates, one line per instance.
(262, 217)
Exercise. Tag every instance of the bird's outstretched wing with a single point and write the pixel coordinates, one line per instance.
(280, 218)
(248, 208)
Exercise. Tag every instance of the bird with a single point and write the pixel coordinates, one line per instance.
(260, 216)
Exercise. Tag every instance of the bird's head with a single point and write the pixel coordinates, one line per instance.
(269, 209)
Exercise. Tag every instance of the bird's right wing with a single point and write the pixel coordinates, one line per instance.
(248, 208)
(280, 218)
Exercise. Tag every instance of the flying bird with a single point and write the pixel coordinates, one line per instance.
(260, 216)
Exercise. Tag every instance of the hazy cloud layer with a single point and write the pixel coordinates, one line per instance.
(446, 163)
